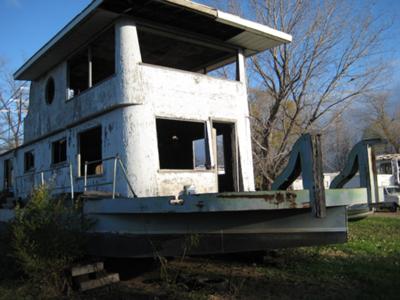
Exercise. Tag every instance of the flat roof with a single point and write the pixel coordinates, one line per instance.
(183, 14)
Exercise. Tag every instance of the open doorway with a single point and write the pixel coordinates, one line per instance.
(8, 174)
(90, 151)
(226, 156)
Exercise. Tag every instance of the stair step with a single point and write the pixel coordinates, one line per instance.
(99, 282)
(87, 269)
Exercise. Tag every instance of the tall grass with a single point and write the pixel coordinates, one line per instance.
(47, 237)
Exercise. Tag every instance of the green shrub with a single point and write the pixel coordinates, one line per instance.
(8, 267)
(47, 237)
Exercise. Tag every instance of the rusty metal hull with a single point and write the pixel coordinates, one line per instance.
(171, 234)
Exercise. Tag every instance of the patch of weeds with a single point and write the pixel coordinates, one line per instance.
(47, 238)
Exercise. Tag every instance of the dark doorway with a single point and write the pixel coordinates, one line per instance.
(8, 174)
(225, 134)
(90, 150)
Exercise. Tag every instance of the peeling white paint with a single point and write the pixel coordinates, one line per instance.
(126, 106)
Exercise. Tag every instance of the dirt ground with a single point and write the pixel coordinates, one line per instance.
(362, 268)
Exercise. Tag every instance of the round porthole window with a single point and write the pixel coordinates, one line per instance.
(50, 90)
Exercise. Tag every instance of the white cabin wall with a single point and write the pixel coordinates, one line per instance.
(59, 174)
(176, 94)
(126, 105)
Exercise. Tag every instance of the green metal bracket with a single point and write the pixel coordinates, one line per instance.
(306, 158)
(361, 159)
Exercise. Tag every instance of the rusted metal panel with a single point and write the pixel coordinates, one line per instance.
(306, 158)
(361, 159)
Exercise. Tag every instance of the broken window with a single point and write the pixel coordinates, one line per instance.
(59, 151)
(90, 151)
(92, 65)
(182, 145)
(171, 50)
(385, 168)
(29, 161)
(8, 174)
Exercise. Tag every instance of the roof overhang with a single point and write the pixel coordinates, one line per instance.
(250, 36)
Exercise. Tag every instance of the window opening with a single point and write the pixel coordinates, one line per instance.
(29, 161)
(182, 145)
(164, 49)
(92, 65)
(90, 150)
(385, 168)
(8, 174)
(50, 90)
(59, 151)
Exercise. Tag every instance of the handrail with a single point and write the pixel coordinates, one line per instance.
(51, 170)
(117, 162)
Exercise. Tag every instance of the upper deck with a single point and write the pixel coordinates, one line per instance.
(115, 53)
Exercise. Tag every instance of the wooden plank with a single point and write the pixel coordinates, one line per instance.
(96, 283)
(317, 172)
(87, 269)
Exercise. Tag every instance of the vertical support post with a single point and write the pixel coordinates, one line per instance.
(214, 143)
(90, 66)
(318, 180)
(126, 177)
(78, 165)
(85, 177)
(312, 173)
(71, 178)
(368, 176)
(241, 67)
(237, 162)
(114, 176)
(306, 158)
(396, 168)
(361, 159)
(42, 178)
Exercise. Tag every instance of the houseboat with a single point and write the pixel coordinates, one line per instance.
(128, 110)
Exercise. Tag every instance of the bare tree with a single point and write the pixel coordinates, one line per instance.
(306, 85)
(383, 122)
(13, 109)
(338, 139)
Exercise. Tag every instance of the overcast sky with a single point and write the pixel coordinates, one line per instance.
(26, 25)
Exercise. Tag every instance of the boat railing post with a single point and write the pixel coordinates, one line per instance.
(78, 165)
(71, 178)
(126, 177)
(114, 176)
(85, 177)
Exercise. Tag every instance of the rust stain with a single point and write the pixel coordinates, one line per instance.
(277, 199)
(291, 198)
